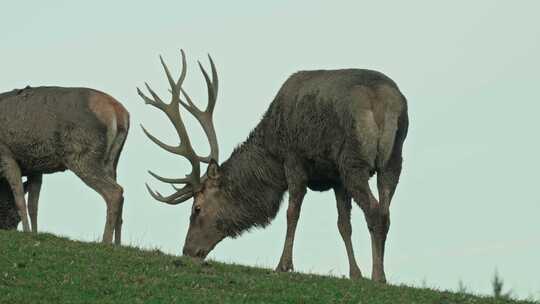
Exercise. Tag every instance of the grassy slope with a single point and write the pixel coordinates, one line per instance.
(47, 269)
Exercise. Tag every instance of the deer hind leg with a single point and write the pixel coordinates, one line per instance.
(378, 225)
(296, 180)
(119, 221)
(111, 164)
(355, 174)
(112, 193)
(100, 180)
(33, 186)
(12, 173)
(343, 202)
(387, 181)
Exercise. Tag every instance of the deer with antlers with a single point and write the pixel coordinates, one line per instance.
(325, 129)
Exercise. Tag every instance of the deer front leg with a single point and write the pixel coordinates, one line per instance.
(10, 170)
(297, 190)
(34, 188)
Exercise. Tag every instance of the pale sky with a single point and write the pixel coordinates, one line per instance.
(467, 202)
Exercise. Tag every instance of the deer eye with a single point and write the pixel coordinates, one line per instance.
(197, 209)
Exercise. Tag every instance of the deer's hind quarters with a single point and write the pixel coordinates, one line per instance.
(283, 153)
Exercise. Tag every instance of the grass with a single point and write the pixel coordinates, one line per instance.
(47, 269)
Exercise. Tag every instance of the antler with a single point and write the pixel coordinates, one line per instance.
(191, 181)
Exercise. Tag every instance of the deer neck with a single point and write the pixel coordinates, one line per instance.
(254, 183)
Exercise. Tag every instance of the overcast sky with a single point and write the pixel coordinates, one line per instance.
(467, 203)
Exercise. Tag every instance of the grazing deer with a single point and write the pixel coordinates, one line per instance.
(51, 129)
(324, 130)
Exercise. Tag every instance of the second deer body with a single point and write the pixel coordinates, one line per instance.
(50, 129)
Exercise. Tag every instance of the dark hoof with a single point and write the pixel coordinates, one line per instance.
(379, 279)
(355, 274)
(284, 267)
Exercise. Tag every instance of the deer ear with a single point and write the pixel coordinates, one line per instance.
(213, 170)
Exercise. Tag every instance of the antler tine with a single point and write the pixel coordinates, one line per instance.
(212, 98)
(205, 117)
(172, 83)
(184, 70)
(169, 148)
(212, 85)
(169, 180)
(158, 104)
(174, 199)
(182, 198)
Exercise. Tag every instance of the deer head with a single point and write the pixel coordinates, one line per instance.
(204, 232)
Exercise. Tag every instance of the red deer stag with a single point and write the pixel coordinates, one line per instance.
(326, 129)
(50, 129)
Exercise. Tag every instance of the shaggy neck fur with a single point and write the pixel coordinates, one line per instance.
(254, 183)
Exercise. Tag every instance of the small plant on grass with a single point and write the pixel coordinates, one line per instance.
(462, 288)
(498, 284)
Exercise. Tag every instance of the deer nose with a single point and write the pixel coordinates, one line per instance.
(194, 253)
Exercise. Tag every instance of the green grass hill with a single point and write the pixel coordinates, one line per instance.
(47, 269)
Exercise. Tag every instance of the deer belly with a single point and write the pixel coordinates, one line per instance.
(41, 165)
(38, 159)
(322, 175)
(321, 185)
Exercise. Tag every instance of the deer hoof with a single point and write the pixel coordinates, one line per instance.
(284, 267)
(379, 278)
(355, 274)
